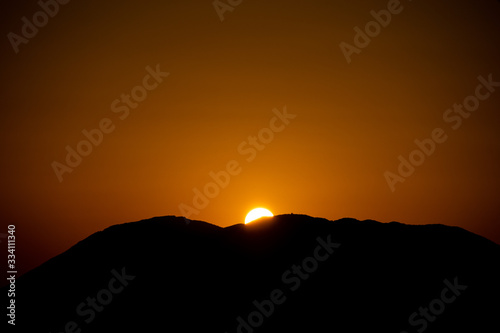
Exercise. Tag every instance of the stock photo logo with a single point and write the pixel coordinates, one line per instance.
(225, 6)
(425, 315)
(372, 29)
(250, 148)
(89, 309)
(48, 9)
(95, 136)
(291, 279)
(249, 167)
(453, 117)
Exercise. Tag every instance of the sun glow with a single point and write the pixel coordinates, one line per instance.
(257, 213)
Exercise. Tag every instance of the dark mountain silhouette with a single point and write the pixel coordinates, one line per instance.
(166, 275)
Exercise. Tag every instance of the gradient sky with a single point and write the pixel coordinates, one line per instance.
(225, 79)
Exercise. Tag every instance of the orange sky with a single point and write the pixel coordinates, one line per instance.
(347, 122)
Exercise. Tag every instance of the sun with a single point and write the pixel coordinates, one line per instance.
(257, 213)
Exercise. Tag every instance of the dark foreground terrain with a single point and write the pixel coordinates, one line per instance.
(290, 273)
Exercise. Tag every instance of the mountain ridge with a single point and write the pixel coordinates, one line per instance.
(381, 271)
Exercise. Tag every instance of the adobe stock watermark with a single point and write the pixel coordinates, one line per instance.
(371, 30)
(292, 279)
(12, 273)
(93, 305)
(454, 117)
(30, 28)
(222, 6)
(121, 106)
(249, 148)
(425, 315)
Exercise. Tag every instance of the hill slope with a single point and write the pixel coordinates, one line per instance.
(287, 273)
